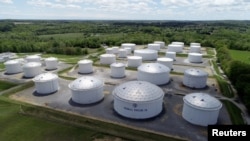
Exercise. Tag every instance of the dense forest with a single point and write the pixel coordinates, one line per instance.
(75, 37)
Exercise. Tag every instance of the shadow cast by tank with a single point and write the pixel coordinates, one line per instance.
(75, 104)
(35, 93)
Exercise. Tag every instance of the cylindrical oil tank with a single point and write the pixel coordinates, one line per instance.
(13, 66)
(195, 78)
(109, 51)
(32, 69)
(195, 49)
(153, 46)
(162, 44)
(153, 72)
(138, 99)
(107, 59)
(51, 63)
(129, 45)
(33, 58)
(85, 66)
(117, 70)
(134, 61)
(129, 50)
(201, 109)
(115, 49)
(166, 61)
(86, 90)
(146, 54)
(122, 53)
(195, 44)
(175, 48)
(178, 43)
(170, 54)
(195, 57)
(46, 83)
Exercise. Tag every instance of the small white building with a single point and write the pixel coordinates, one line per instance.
(138, 99)
(86, 90)
(32, 69)
(146, 54)
(117, 70)
(33, 58)
(13, 67)
(195, 57)
(107, 59)
(195, 78)
(128, 45)
(153, 46)
(153, 72)
(201, 109)
(166, 61)
(134, 61)
(170, 54)
(51, 63)
(162, 44)
(46, 83)
(85, 66)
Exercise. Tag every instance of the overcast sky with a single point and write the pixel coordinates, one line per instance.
(126, 9)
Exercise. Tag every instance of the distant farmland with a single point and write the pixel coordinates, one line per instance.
(243, 56)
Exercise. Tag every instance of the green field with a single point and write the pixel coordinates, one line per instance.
(243, 56)
(19, 127)
(6, 85)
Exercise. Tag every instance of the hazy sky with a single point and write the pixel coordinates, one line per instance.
(126, 9)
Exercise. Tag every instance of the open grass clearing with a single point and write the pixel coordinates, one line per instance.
(243, 56)
(6, 85)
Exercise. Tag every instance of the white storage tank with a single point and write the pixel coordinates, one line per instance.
(170, 54)
(85, 66)
(129, 45)
(201, 109)
(178, 43)
(129, 50)
(115, 49)
(134, 61)
(86, 90)
(107, 59)
(195, 44)
(195, 57)
(32, 69)
(175, 48)
(195, 49)
(195, 78)
(13, 66)
(109, 50)
(33, 58)
(166, 61)
(122, 53)
(153, 46)
(162, 44)
(46, 83)
(153, 72)
(51, 63)
(146, 54)
(117, 70)
(138, 99)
